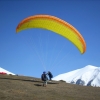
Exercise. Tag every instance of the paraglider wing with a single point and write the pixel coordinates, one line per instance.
(56, 25)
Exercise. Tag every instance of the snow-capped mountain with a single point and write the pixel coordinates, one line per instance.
(87, 76)
(5, 71)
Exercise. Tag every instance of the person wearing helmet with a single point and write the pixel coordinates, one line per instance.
(44, 78)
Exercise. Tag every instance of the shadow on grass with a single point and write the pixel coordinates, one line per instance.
(47, 83)
(38, 85)
(52, 83)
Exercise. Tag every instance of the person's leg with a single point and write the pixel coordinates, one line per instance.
(50, 78)
(43, 83)
(46, 82)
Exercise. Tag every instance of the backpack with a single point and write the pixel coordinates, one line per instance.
(44, 77)
(50, 75)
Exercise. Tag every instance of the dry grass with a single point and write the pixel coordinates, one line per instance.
(29, 88)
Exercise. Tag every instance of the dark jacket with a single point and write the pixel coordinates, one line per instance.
(50, 74)
(44, 77)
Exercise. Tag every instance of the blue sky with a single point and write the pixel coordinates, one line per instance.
(33, 51)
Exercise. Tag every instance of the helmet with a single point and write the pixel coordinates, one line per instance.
(44, 72)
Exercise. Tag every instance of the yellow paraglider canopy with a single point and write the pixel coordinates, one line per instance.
(56, 25)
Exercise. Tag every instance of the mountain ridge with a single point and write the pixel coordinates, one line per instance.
(86, 76)
(5, 71)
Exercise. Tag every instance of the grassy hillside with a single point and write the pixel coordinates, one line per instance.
(30, 88)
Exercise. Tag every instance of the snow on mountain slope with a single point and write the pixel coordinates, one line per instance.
(3, 70)
(87, 76)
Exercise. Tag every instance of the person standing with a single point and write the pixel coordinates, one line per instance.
(50, 75)
(44, 78)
